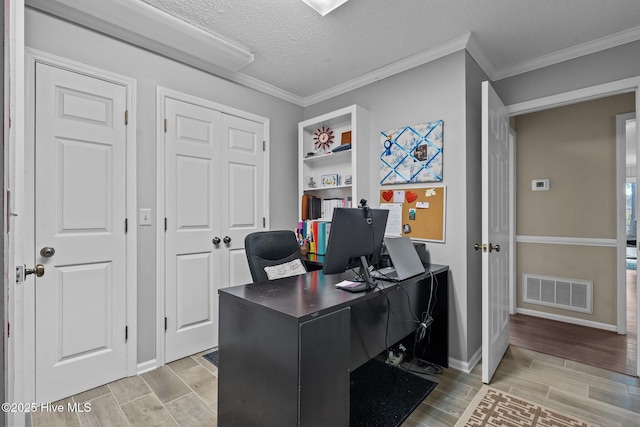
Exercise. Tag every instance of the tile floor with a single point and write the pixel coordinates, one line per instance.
(182, 393)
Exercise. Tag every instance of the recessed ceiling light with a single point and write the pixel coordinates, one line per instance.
(324, 6)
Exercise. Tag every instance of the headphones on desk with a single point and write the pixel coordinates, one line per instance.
(366, 210)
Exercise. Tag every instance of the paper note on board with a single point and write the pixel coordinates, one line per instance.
(394, 222)
(398, 196)
(422, 205)
(430, 192)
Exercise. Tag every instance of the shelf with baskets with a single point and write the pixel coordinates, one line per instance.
(329, 175)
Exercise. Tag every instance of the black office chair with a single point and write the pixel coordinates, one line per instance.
(272, 248)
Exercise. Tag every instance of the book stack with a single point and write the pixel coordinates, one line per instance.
(328, 205)
(316, 234)
(317, 208)
(311, 207)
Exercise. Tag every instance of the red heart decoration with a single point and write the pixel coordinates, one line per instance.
(411, 196)
(387, 195)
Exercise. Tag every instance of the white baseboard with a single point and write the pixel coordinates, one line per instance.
(147, 366)
(566, 319)
(466, 367)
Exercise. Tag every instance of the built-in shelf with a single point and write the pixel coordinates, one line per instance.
(327, 157)
(352, 162)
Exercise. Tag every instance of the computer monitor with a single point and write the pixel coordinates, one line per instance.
(355, 241)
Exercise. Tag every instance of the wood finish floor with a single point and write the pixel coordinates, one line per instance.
(595, 347)
(596, 395)
(184, 393)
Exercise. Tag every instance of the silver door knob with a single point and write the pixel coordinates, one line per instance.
(494, 248)
(47, 252)
(227, 239)
(216, 240)
(38, 271)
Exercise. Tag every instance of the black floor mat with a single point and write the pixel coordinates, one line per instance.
(212, 357)
(385, 396)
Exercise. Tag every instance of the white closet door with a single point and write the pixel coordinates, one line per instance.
(192, 208)
(243, 210)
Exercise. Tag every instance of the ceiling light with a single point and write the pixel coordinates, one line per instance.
(324, 6)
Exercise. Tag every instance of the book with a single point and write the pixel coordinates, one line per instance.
(323, 236)
(315, 208)
(304, 215)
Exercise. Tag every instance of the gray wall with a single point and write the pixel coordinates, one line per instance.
(432, 91)
(602, 67)
(448, 89)
(52, 35)
(474, 78)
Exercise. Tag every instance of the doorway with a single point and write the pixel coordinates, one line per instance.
(556, 242)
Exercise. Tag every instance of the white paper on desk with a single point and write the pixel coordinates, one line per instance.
(348, 284)
(394, 222)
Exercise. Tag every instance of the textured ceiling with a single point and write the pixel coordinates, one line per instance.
(299, 51)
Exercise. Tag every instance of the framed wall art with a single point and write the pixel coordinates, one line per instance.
(412, 154)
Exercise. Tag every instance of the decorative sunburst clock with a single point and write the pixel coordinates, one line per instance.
(323, 138)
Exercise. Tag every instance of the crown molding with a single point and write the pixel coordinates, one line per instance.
(259, 85)
(476, 52)
(396, 67)
(143, 25)
(603, 43)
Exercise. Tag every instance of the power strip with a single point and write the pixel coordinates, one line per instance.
(394, 359)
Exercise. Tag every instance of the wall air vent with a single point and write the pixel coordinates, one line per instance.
(567, 294)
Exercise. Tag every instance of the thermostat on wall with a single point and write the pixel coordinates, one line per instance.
(540, 184)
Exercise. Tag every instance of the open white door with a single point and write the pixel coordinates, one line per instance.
(80, 232)
(495, 231)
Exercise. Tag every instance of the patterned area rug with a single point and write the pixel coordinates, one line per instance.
(493, 407)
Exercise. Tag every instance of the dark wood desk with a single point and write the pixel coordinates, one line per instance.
(287, 346)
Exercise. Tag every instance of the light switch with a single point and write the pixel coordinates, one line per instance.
(144, 216)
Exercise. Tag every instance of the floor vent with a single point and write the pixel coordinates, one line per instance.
(568, 294)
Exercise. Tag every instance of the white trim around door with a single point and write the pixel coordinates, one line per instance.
(27, 348)
(621, 200)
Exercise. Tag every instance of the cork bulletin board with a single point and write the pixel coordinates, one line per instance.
(418, 213)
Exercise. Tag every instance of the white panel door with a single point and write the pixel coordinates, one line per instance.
(495, 231)
(80, 182)
(244, 206)
(192, 204)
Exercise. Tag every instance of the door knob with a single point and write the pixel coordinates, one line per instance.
(47, 252)
(38, 271)
(478, 246)
(494, 248)
(227, 239)
(216, 240)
